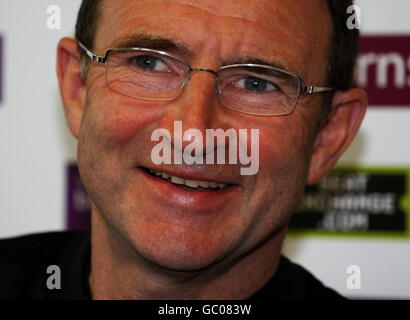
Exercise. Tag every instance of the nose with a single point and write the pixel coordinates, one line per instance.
(196, 107)
(204, 69)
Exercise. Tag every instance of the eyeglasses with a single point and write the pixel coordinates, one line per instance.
(156, 75)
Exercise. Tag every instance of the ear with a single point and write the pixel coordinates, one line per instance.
(72, 87)
(348, 110)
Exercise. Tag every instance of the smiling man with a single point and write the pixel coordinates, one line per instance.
(201, 230)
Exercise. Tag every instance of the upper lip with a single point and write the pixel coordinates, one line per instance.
(203, 175)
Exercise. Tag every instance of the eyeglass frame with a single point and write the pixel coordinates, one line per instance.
(302, 88)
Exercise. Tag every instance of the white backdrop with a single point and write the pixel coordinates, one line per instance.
(36, 147)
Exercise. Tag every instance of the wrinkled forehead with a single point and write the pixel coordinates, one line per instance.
(309, 17)
(261, 11)
(296, 30)
(267, 12)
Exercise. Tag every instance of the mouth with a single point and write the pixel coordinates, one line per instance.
(188, 184)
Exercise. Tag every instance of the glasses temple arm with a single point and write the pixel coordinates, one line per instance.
(92, 55)
(312, 89)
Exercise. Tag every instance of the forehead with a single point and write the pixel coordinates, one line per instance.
(292, 30)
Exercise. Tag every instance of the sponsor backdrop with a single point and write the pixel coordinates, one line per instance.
(354, 223)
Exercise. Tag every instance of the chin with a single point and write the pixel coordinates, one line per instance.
(183, 253)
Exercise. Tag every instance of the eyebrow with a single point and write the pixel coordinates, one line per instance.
(149, 41)
(274, 63)
(145, 40)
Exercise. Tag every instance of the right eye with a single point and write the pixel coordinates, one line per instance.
(149, 62)
(256, 84)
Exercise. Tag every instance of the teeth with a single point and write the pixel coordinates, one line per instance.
(177, 180)
(192, 183)
(189, 183)
(204, 184)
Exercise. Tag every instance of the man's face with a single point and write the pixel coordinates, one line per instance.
(181, 228)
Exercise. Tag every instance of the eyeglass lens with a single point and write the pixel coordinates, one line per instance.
(155, 76)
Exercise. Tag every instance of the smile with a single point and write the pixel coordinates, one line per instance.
(194, 184)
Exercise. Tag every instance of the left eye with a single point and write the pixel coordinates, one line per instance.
(150, 63)
(256, 84)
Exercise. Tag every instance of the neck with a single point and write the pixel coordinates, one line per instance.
(119, 272)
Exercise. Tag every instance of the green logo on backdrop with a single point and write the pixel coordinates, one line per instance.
(356, 201)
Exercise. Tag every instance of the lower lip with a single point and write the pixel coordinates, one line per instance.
(197, 200)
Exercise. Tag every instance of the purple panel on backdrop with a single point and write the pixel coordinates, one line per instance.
(1, 69)
(78, 202)
(383, 69)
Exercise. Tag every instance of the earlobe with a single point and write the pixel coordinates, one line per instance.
(72, 87)
(348, 110)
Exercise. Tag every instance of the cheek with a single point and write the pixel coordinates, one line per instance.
(118, 120)
(284, 148)
(115, 129)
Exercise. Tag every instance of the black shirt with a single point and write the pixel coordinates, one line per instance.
(24, 261)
